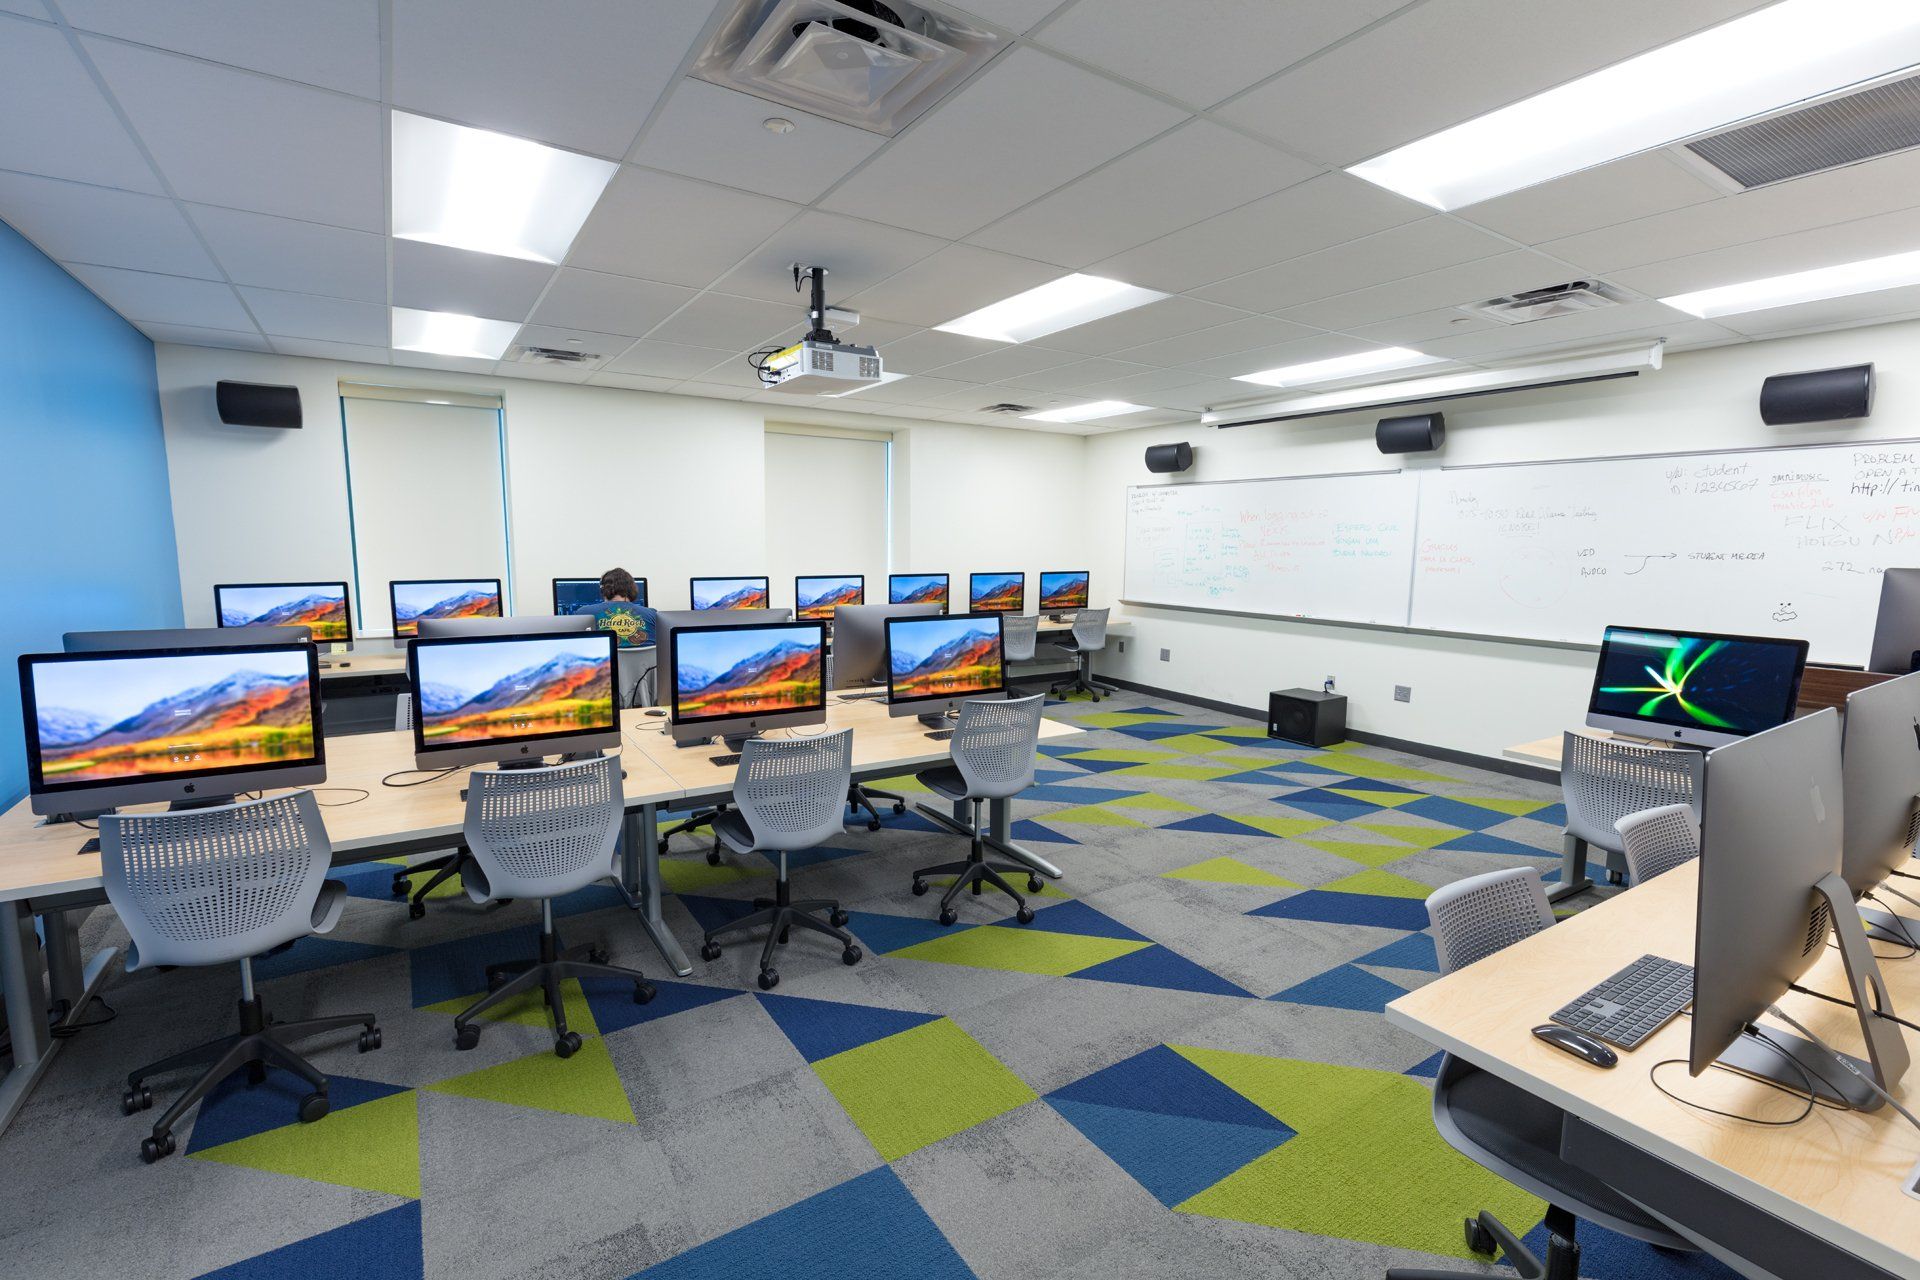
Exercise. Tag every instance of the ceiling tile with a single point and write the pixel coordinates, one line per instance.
(920, 390)
(1302, 350)
(303, 257)
(931, 349)
(1636, 187)
(1237, 335)
(141, 295)
(242, 140)
(335, 45)
(1208, 393)
(598, 347)
(1408, 250)
(713, 391)
(1422, 326)
(668, 360)
(1167, 318)
(1889, 233)
(855, 253)
(871, 332)
(734, 324)
(949, 284)
(937, 176)
(58, 122)
(319, 350)
(1007, 362)
(1587, 326)
(1068, 377)
(1830, 313)
(709, 132)
(1449, 287)
(434, 277)
(656, 226)
(189, 336)
(1014, 15)
(302, 315)
(31, 8)
(78, 223)
(632, 381)
(596, 301)
(1176, 180)
(452, 364)
(534, 371)
(1147, 388)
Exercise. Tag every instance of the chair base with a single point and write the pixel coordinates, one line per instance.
(1083, 681)
(261, 1043)
(701, 818)
(974, 874)
(1487, 1234)
(780, 914)
(861, 798)
(444, 868)
(554, 966)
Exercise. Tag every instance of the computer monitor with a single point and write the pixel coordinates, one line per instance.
(860, 641)
(1880, 763)
(441, 628)
(728, 593)
(1896, 627)
(818, 595)
(581, 595)
(935, 664)
(189, 725)
(321, 607)
(737, 681)
(673, 619)
(1694, 688)
(417, 598)
(1770, 896)
(511, 700)
(181, 638)
(1062, 589)
(996, 592)
(917, 588)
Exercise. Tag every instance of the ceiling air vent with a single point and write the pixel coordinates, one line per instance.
(875, 64)
(1543, 304)
(1006, 408)
(1827, 135)
(555, 355)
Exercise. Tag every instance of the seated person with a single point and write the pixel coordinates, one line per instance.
(635, 624)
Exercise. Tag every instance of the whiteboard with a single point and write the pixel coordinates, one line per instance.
(1330, 547)
(1783, 542)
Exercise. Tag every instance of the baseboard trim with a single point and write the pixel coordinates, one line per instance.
(1495, 764)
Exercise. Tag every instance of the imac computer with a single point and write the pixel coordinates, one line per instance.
(320, 607)
(1880, 764)
(1695, 689)
(935, 664)
(417, 598)
(917, 588)
(728, 593)
(582, 595)
(996, 592)
(181, 638)
(194, 726)
(511, 700)
(441, 628)
(817, 596)
(1771, 895)
(733, 682)
(1896, 628)
(860, 642)
(673, 619)
(1064, 589)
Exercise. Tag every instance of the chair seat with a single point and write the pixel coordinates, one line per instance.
(732, 827)
(944, 780)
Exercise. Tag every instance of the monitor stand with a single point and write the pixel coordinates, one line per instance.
(1885, 926)
(535, 762)
(733, 742)
(943, 720)
(200, 802)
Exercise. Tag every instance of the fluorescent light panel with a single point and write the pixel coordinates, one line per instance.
(1066, 302)
(1087, 412)
(490, 193)
(1357, 365)
(1843, 281)
(444, 333)
(1782, 55)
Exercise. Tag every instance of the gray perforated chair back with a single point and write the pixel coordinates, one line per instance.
(1655, 841)
(403, 712)
(1019, 635)
(1090, 628)
(1475, 917)
(1603, 781)
(635, 666)
(541, 833)
(213, 886)
(994, 745)
(793, 791)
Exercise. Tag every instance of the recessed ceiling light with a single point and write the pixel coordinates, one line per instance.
(865, 386)
(443, 333)
(777, 124)
(1354, 366)
(1781, 55)
(1842, 281)
(471, 189)
(1087, 412)
(1064, 303)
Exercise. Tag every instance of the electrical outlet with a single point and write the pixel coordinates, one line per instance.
(1166, 655)
(1403, 693)
(1123, 646)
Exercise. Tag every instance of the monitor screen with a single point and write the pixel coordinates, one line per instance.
(442, 598)
(106, 719)
(917, 588)
(729, 593)
(819, 596)
(996, 592)
(1064, 589)
(581, 595)
(729, 672)
(321, 607)
(494, 690)
(943, 657)
(1705, 688)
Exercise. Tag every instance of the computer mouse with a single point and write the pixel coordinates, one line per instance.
(1577, 1043)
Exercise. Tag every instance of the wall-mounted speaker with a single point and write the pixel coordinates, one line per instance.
(1822, 395)
(1168, 458)
(255, 404)
(1417, 433)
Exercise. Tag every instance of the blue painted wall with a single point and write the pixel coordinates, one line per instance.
(86, 521)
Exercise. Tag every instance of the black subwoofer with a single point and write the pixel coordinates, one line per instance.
(256, 404)
(1307, 716)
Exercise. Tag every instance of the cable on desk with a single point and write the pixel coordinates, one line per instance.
(1848, 1004)
(427, 775)
(1808, 1096)
(360, 793)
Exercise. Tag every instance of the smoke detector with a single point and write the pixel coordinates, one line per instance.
(555, 355)
(1566, 299)
(1007, 408)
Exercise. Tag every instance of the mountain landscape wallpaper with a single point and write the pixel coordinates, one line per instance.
(121, 718)
(729, 593)
(940, 657)
(413, 601)
(319, 606)
(524, 688)
(818, 597)
(1063, 591)
(744, 671)
(996, 592)
(917, 588)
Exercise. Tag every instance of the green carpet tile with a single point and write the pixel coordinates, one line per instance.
(1180, 1068)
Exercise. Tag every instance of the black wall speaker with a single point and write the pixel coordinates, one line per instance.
(1307, 716)
(1419, 433)
(1166, 458)
(254, 404)
(1823, 395)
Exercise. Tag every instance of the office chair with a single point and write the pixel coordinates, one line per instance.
(1089, 636)
(543, 833)
(1019, 637)
(219, 885)
(1655, 841)
(994, 747)
(1603, 780)
(787, 794)
(1502, 1128)
(636, 673)
(444, 866)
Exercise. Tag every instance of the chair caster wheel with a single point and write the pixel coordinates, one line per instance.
(402, 887)
(710, 951)
(899, 807)
(662, 846)
(769, 979)
(598, 954)
(784, 934)
(851, 955)
(1034, 885)
(713, 857)
(837, 918)
(135, 1099)
(467, 1037)
(313, 1107)
(919, 888)
(873, 824)
(949, 915)
(567, 1045)
(369, 1039)
(416, 911)
(1024, 915)
(1479, 1239)
(152, 1149)
(643, 993)
(495, 980)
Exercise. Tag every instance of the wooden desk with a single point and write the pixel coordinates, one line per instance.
(364, 661)
(1830, 1182)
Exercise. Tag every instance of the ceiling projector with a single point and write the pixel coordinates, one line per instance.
(818, 364)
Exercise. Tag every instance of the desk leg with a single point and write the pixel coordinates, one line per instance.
(640, 867)
(23, 980)
(1573, 868)
(71, 982)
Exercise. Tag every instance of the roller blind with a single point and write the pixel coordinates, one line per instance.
(827, 510)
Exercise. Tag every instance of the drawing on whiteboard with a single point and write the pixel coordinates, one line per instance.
(1785, 612)
(1535, 578)
(1646, 560)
